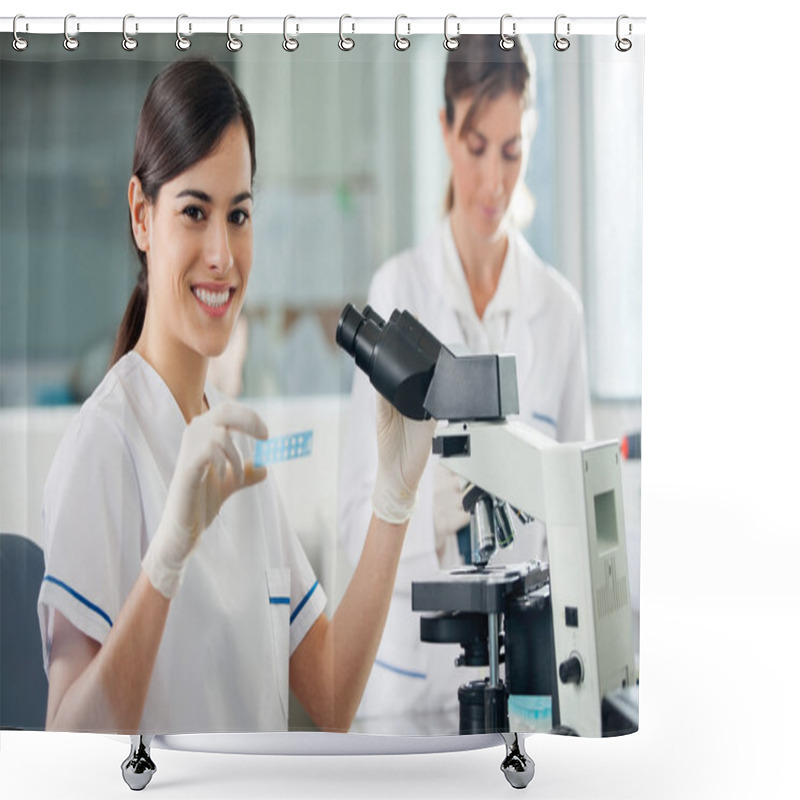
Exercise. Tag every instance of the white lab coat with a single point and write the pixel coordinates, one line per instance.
(248, 595)
(536, 315)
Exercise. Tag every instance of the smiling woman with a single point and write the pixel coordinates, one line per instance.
(198, 240)
(207, 242)
(176, 596)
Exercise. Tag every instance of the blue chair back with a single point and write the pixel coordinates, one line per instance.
(23, 683)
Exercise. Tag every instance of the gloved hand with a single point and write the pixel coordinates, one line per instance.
(448, 513)
(403, 449)
(208, 471)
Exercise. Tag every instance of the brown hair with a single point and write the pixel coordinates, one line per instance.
(188, 107)
(481, 70)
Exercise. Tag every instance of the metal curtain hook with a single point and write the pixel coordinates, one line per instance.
(128, 42)
(451, 42)
(70, 42)
(623, 45)
(400, 42)
(19, 44)
(561, 43)
(182, 43)
(233, 44)
(290, 44)
(345, 42)
(506, 42)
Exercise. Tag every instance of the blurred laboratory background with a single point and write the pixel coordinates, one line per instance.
(351, 170)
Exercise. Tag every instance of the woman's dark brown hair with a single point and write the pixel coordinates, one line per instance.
(482, 71)
(188, 107)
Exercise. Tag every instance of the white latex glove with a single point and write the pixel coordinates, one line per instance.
(209, 470)
(403, 449)
(448, 512)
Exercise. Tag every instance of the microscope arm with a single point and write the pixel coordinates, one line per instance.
(504, 458)
(575, 490)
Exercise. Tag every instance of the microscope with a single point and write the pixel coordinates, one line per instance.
(560, 630)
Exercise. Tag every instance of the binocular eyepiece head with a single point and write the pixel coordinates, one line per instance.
(398, 356)
(419, 376)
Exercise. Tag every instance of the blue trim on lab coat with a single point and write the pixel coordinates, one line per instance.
(303, 602)
(80, 597)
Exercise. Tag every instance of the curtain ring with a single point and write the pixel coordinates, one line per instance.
(623, 45)
(506, 42)
(233, 44)
(400, 42)
(182, 43)
(451, 42)
(345, 42)
(19, 43)
(70, 42)
(128, 42)
(561, 43)
(290, 44)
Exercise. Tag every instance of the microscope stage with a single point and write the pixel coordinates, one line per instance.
(478, 590)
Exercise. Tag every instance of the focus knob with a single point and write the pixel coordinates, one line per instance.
(571, 670)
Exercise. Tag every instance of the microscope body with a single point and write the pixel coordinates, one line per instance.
(575, 489)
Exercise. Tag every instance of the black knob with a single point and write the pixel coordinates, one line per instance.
(571, 670)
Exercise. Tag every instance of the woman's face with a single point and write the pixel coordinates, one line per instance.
(198, 237)
(486, 160)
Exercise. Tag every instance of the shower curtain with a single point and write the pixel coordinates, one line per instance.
(369, 188)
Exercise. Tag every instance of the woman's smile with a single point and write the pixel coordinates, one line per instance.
(213, 299)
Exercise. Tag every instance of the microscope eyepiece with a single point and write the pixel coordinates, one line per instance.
(398, 356)
(358, 334)
(419, 376)
(350, 321)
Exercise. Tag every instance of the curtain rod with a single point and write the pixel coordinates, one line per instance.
(402, 25)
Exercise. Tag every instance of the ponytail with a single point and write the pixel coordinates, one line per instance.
(449, 198)
(130, 329)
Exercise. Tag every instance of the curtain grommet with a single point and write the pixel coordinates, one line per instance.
(233, 44)
(129, 43)
(290, 44)
(623, 44)
(345, 42)
(401, 43)
(507, 42)
(451, 42)
(181, 42)
(71, 43)
(19, 44)
(561, 43)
